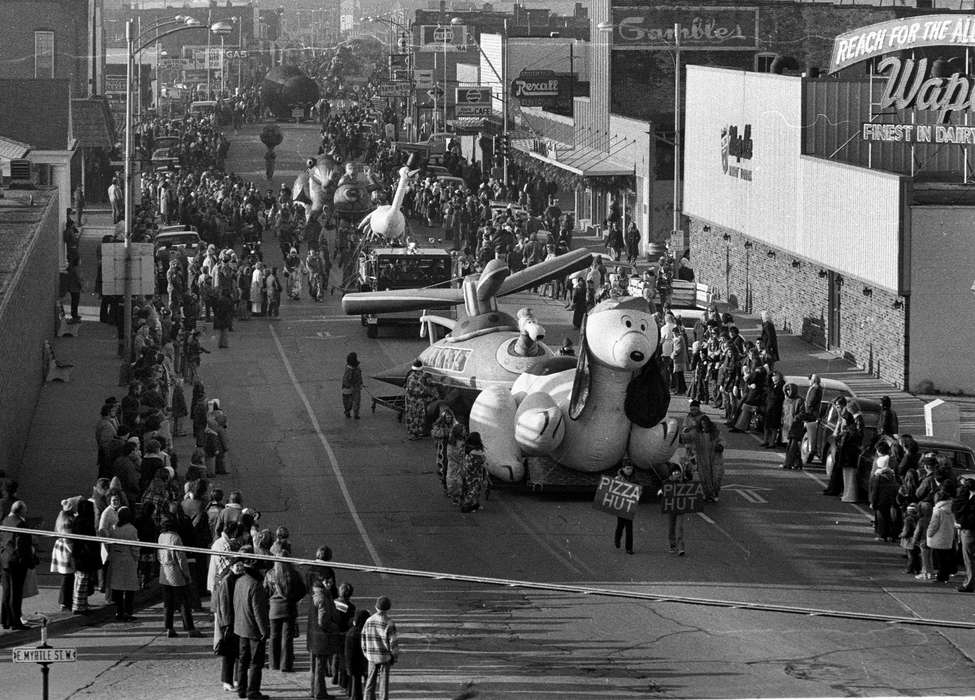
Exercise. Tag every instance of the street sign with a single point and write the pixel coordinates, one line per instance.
(142, 269)
(423, 77)
(40, 655)
(473, 102)
(394, 89)
(436, 92)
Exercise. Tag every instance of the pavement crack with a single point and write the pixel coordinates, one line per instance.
(123, 661)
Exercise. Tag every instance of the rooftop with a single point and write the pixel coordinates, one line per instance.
(19, 223)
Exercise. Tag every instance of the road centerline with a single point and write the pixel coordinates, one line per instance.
(330, 453)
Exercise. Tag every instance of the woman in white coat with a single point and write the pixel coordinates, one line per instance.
(941, 533)
(122, 574)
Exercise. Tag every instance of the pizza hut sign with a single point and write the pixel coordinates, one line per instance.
(536, 88)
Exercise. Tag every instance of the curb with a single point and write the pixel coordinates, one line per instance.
(73, 622)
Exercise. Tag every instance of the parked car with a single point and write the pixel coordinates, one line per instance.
(958, 456)
(499, 208)
(812, 443)
(826, 442)
(451, 181)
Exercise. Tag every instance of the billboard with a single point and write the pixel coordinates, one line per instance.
(705, 28)
(438, 38)
(743, 160)
(472, 102)
(903, 34)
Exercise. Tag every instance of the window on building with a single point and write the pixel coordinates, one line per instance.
(44, 54)
(763, 62)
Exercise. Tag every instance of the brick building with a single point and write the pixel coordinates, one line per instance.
(53, 39)
(810, 198)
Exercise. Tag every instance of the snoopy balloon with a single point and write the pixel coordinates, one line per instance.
(612, 404)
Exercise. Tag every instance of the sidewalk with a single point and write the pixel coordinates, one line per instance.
(59, 460)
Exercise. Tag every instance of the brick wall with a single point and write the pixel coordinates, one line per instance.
(29, 239)
(871, 330)
(68, 19)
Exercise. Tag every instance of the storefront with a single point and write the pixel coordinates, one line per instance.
(844, 205)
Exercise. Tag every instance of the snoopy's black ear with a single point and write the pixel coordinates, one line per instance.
(581, 383)
(647, 395)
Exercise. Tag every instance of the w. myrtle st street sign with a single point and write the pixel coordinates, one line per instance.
(43, 655)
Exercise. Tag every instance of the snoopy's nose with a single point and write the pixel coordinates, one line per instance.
(636, 356)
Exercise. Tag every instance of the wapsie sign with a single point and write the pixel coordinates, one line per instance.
(901, 35)
(617, 497)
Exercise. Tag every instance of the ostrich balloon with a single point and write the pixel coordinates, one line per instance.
(387, 220)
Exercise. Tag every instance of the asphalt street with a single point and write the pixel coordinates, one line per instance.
(373, 496)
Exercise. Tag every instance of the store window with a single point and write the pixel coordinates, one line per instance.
(44, 54)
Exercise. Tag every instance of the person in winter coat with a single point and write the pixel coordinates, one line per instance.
(415, 406)
(910, 547)
(122, 573)
(883, 502)
(352, 385)
(769, 340)
(62, 558)
(174, 578)
(87, 558)
(963, 508)
(475, 474)
(456, 455)
(624, 526)
(941, 533)
(679, 359)
(346, 612)
(704, 438)
(285, 589)
(356, 664)
(924, 510)
(887, 420)
(252, 626)
(440, 431)
(216, 442)
(794, 426)
(323, 626)
(774, 405)
(225, 643)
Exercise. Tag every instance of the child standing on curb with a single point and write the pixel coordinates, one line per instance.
(352, 386)
(675, 529)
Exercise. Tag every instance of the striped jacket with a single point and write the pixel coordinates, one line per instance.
(380, 644)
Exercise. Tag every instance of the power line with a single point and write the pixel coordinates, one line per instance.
(530, 585)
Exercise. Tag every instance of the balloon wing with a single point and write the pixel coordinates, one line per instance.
(541, 273)
(393, 300)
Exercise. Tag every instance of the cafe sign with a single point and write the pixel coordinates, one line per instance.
(706, 28)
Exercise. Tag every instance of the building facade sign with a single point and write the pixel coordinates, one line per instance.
(901, 35)
(738, 146)
(538, 88)
(472, 102)
(702, 28)
(436, 38)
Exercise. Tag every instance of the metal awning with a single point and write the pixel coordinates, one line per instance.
(582, 161)
(12, 150)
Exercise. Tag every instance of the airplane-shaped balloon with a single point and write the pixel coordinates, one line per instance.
(479, 360)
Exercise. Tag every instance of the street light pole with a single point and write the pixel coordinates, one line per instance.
(677, 133)
(127, 193)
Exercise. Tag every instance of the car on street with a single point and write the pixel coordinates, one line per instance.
(825, 447)
(957, 456)
(451, 181)
(165, 154)
(179, 242)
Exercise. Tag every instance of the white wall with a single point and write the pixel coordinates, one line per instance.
(842, 217)
(942, 334)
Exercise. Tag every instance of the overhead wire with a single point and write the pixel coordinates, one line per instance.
(546, 586)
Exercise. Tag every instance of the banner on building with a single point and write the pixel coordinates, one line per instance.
(903, 34)
(617, 497)
(392, 89)
(437, 38)
(701, 28)
(472, 102)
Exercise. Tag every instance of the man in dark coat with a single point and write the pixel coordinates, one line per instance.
(769, 340)
(323, 622)
(16, 559)
(252, 625)
(222, 605)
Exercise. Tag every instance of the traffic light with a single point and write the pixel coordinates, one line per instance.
(502, 146)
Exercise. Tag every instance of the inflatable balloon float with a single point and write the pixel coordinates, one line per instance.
(612, 404)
